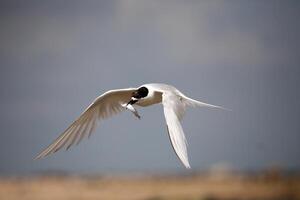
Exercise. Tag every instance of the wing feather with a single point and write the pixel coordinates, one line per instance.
(174, 110)
(106, 105)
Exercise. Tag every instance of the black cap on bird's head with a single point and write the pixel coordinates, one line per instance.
(142, 92)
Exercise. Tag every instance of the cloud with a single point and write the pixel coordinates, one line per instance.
(206, 33)
(202, 33)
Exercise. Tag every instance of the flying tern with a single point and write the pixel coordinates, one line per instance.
(114, 101)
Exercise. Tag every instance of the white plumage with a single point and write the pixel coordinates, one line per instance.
(115, 101)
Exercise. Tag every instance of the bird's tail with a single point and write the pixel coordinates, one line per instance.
(194, 103)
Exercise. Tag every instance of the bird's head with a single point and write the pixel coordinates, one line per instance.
(140, 93)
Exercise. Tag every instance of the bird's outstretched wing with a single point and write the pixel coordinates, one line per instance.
(174, 110)
(106, 105)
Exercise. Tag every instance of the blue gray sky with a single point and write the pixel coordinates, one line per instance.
(57, 56)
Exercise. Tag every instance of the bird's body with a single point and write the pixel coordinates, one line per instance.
(115, 101)
(154, 98)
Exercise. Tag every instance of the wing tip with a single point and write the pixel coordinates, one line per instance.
(39, 156)
(185, 162)
(42, 155)
(187, 166)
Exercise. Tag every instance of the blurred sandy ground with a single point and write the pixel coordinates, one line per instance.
(215, 185)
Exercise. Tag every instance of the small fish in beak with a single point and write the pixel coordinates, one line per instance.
(132, 109)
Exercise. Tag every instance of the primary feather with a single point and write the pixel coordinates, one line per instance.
(174, 110)
(104, 106)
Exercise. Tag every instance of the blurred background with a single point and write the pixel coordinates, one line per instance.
(57, 56)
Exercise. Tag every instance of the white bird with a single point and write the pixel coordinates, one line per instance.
(114, 101)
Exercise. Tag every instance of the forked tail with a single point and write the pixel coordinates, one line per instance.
(194, 103)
